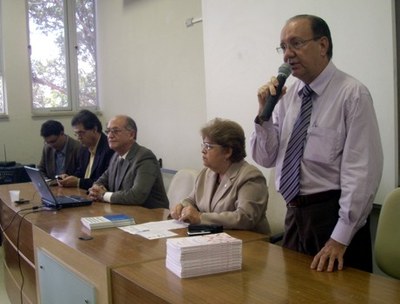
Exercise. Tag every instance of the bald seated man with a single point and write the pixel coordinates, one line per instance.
(133, 176)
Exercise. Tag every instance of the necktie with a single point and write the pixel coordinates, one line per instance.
(90, 165)
(118, 174)
(290, 176)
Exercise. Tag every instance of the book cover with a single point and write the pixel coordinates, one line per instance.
(108, 220)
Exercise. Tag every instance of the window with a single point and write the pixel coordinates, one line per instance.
(2, 98)
(62, 46)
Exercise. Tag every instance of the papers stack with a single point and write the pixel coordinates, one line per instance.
(106, 221)
(205, 254)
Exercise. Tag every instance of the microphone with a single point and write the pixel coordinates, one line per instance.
(284, 72)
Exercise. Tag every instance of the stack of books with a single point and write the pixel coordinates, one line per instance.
(106, 221)
(205, 254)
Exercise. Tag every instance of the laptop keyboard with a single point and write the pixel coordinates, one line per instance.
(66, 199)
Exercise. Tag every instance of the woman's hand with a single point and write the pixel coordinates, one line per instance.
(187, 214)
(176, 211)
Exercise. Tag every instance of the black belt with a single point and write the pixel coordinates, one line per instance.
(306, 200)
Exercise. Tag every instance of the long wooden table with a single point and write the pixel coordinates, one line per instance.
(270, 274)
(126, 268)
(59, 234)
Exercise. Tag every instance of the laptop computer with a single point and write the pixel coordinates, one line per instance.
(48, 198)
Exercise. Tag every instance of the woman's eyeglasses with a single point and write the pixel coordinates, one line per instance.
(208, 146)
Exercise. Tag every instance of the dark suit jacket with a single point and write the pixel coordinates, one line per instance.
(100, 163)
(47, 163)
(140, 181)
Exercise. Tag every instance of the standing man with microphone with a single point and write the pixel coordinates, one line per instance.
(323, 138)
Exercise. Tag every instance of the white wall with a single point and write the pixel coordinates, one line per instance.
(240, 38)
(150, 67)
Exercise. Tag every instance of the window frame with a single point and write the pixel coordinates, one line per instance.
(71, 59)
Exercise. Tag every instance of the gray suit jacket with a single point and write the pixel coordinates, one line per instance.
(47, 163)
(239, 202)
(139, 182)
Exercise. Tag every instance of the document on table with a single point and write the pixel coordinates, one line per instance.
(155, 230)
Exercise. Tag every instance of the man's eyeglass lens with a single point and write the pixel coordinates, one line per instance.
(113, 131)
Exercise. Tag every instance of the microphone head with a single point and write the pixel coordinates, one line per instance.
(285, 70)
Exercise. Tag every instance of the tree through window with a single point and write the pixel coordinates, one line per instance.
(63, 54)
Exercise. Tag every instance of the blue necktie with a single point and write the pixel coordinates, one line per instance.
(290, 176)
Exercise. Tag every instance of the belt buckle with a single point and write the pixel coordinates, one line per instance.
(294, 203)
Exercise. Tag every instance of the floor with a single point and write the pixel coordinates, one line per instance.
(3, 293)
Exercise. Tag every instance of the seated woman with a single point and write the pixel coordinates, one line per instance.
(229, 191)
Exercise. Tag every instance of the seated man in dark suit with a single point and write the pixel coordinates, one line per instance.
(133, 176)
(60, 152)
(95, 154)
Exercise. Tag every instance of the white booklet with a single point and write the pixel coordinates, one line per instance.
(206, 254)
(108, 220)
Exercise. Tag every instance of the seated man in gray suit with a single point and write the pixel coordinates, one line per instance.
(133, 176)
(60, 153)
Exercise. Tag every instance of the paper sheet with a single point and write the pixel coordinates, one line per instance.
(155, 230)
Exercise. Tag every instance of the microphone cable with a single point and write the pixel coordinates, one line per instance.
(6, 227)
(33, 210)
(21, 210)
(30, 210)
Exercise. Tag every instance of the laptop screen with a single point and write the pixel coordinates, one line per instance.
(41, 185)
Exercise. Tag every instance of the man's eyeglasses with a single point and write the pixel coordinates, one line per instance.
(80, 133)
(208, 146)
(294, 44)
(113, 131)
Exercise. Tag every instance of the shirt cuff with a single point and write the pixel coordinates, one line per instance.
(342, 233)
(258, 120)
(107, 197)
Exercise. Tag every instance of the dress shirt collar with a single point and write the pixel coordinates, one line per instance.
(94, 149)
(64, 149)
(123, 156)
(321, 82)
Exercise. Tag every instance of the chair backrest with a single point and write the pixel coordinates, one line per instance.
(181, 185)
(276, 210)
(167, 176)
(387, 240)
